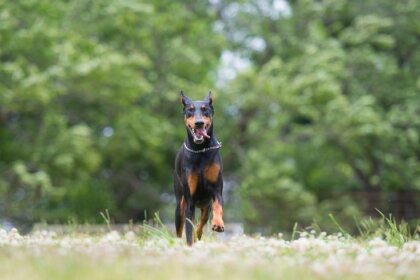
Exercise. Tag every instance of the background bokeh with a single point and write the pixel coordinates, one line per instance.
(317, 105)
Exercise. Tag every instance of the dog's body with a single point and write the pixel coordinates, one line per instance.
(198, 171)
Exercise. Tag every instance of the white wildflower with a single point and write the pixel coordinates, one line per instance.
(130, 236)
(111, 237)
(377, 242)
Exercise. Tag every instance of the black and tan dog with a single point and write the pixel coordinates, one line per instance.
(198, 179)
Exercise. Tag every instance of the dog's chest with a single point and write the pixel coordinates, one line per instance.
(206, 172)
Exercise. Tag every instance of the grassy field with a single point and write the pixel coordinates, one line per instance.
(158, 255)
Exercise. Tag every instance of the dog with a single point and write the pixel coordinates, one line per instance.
(198, 181)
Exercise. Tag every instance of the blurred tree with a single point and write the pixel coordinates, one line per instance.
(88, 105)
(331, 103)
(89, 117)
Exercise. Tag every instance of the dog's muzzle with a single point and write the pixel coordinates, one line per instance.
(199, 134)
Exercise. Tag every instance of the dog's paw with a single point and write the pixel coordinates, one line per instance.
(218, 228)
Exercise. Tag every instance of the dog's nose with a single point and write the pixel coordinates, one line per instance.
(199, 124)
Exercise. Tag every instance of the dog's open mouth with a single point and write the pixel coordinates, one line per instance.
(199, 134)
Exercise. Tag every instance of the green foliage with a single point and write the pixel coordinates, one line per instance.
(329, 105)
(273, 198)
(90, 118)
(88, 105)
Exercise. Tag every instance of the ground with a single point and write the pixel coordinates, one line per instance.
(158, 255)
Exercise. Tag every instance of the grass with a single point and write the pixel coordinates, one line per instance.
(150, 251)
(157, 230)
(389, 229)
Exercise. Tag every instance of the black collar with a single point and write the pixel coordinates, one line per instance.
(218, 146)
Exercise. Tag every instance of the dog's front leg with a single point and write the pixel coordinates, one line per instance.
(189, 226)
(180, 216)
(217, 223)
(192, 183)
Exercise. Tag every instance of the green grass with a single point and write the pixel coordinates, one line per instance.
(151, 251)
(388, 229)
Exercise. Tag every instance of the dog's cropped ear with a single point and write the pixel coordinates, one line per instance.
(184, 99)
(209, 99)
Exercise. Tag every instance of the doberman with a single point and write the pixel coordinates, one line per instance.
(198, 181)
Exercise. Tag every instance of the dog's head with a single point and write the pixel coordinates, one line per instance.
(198, 117)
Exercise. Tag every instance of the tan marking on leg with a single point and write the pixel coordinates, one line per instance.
(212, 172)
(217, 221)
(203, 221)
(183, 205)
(192, 180)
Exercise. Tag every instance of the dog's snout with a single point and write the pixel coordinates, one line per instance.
(199, 123)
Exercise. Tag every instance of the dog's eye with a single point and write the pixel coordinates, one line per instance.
(189, 112)
(205, 112)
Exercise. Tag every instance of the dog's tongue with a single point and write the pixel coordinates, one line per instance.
(201, 132)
